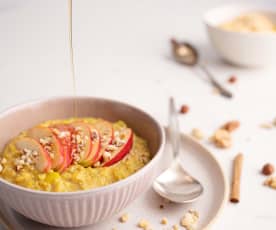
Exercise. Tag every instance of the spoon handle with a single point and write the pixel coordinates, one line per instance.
(174, 133)
(224, 92)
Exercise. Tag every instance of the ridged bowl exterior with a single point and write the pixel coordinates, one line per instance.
(77, 209)
(74, 209)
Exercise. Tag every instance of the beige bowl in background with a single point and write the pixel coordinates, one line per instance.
(250, 49)
(80, 208)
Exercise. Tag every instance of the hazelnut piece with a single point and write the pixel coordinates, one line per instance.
(268, 169)
(184, 109)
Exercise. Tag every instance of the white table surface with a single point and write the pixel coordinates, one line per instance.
(122, 52)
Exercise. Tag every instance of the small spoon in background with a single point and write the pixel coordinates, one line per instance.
(186, 54)
(175, 184)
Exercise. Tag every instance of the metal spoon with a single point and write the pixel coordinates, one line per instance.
(175, 184)
(185, 53)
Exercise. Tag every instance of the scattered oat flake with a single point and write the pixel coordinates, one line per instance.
(164, 221)
(175, 227)
(222, 138)
(4, 160)
(271, 182)
(144, 224)
(197, 134)
(124, 218)
(266, 126)
(190, 219)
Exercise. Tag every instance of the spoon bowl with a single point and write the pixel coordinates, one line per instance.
(176, 185)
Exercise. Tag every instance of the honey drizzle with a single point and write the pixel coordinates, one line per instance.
(72, 64)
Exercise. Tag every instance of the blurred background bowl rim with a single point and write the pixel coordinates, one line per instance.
(250, 7)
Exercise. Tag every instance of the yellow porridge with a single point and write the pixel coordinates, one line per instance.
(73, 154)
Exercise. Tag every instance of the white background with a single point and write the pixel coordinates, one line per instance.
(122, 52)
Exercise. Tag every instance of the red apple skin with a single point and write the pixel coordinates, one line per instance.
(95, 149)
(43, 163)
(66, 143)
(104, 128)
(122, 152)
(40, 132)
(86, 129)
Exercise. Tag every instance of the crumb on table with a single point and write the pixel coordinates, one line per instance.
(124, 218)
(164, 221)
(197, 134)
(222, 138)
(190, 219)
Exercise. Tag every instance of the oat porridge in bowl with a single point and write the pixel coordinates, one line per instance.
(70, 172)
(73, 154)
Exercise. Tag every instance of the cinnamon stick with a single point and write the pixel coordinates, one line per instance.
(236, 179)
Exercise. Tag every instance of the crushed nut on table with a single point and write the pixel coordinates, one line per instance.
(190, 219)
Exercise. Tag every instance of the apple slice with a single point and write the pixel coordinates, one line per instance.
(95, 148)
(41, 159)
(64, 135)
(122, 145)
(105, 129)
(50, 143)
(106, 132)
(81, 142)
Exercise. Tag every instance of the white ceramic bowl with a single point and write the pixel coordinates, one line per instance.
(244, 49)
(84, 207)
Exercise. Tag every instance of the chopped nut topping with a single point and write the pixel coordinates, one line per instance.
(143, 224)
(111, 148)
(26, 158)
(118, 142)
(231, 126)
(97, 164)
(116, 133)
(3, 161)
(45, 140)
(175, 227)
(164, 221)
(124, 218)
(222, 138)
(80, 139)
(106, 156)
(190, 219)
(55, 131)
(197, 134)
(63, 134)
(271, 182)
